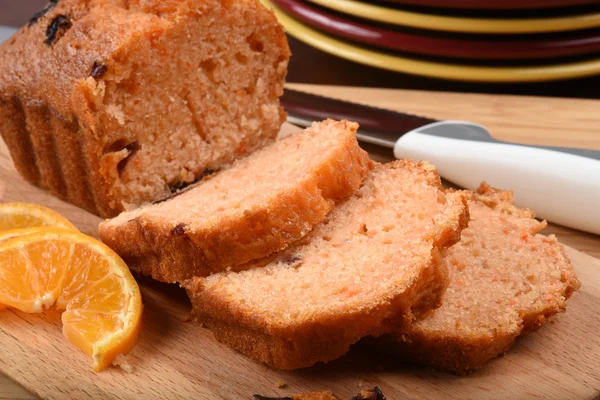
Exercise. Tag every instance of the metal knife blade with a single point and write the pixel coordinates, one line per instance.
(385, 127)
(377, 126)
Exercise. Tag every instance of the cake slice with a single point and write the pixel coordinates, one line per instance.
(257, 207)
(368, 269)
(505, 281)
(110, 104)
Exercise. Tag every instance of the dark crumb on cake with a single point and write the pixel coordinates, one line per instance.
(98, 70)
(205, 174)
(292, 260)
(42, 12)
(177, 186)
(180, 188)
(179, 230)
(182, 185)
(172, 196)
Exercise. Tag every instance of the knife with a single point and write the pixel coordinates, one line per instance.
(561, 184)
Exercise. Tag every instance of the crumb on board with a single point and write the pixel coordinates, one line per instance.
(186, 318)
(122, 362)
(280, 384)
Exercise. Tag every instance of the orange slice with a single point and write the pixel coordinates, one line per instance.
(78, 274)
(26, 215)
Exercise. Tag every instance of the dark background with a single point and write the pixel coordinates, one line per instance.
(309, 65)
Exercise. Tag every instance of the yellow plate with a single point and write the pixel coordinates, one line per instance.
(433, 69)
(458, 24)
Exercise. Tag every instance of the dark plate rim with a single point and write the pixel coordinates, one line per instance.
(492, 5)
(505, 49)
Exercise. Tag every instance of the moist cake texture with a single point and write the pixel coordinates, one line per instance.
(257, 207)
(368, 269)
(110, 104)
(505, 281)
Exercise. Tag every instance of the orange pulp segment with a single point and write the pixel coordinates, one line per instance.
(80, 275)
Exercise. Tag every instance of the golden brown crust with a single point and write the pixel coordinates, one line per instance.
(488, 329)
(324, 337)
(152, 247)
(54, 121)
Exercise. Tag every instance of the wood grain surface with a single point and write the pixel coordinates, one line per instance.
(179, 359)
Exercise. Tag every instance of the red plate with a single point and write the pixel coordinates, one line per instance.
(494, 5)
(515, 49)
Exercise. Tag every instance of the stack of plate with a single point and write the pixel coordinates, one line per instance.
(470, 40)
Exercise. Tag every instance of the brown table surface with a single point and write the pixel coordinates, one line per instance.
(309, 65)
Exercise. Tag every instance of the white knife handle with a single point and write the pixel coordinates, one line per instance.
(560, 187)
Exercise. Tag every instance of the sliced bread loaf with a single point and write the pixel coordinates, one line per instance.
(505, 281)
(257, 207)
(113, 103)
(368, 269)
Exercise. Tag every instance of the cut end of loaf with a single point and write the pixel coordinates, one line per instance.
(505, 280)
(214, 87)
(257, 207)
(361, 272)
(164, 92)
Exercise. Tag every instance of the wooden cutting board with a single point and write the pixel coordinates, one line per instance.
(178, 359)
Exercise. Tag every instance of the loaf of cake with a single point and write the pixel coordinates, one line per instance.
(259, 206)
(505, 281)
(368, 269)
(110, 104)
